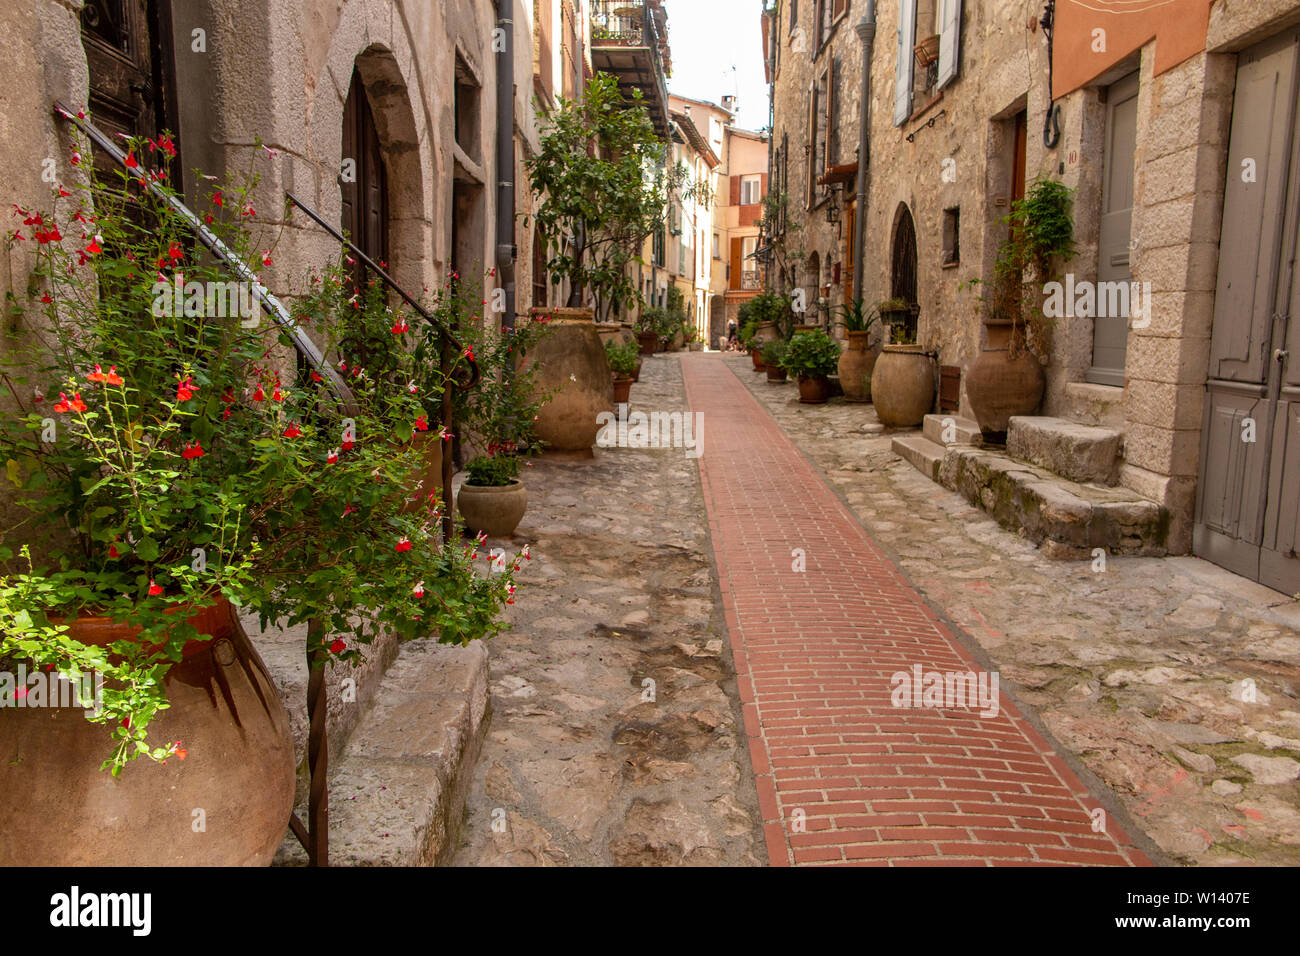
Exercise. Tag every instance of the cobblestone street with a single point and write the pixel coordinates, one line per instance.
(1138, 670)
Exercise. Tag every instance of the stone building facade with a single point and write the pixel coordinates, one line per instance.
(1139, 124)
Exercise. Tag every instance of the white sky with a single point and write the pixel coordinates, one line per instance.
(711, 37)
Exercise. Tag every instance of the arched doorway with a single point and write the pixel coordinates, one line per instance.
(812, 283)
(903, 274)
(364, 181)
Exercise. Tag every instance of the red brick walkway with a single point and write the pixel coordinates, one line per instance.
(843, 775)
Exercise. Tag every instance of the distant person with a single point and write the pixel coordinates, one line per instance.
(733, 342)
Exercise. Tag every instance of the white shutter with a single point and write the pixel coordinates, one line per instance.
(903, 71)
(949, 40)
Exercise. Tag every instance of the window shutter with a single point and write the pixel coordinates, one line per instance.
(903, 69)
(736, 264)
(832, 119)
(949, 41)
(545, 59)
(735, 190)
(762, 186)
(812, 140)
(839, 8)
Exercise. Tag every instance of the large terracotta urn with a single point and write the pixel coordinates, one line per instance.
(767, 332)
(226, 804)
(1000, 385)
(571, 364)
(902, 385)
(857, 362)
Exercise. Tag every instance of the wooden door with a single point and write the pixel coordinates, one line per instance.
(131, 71)
(1248, 502)
(1110, 333)
(365, 193)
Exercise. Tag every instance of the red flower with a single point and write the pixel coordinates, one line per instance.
(419, 590)
(422, 423)
(130, 160)
(469, 354)
(338, 647)
(108, 378)
(348, 510)
(347, 446)
(333, 457)
(185, 389)
(180, 751)
(400, 326)
(217, 200)
(65, 404)
(193, 450)
(228, 396)
(258, 395)
(46, 299)
(277, 395)
(403, 545)
(154, 591)
(112, 551)
(225, 413)
(76, 158)
(53, 235)
(293, 431)
(315, 376)
(266, 257)
(95, 248)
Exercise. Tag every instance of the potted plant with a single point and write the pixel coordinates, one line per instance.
(183, 471)
(623, 360)
(811, 356)
(773, 356)
(492, 499)
(647, 330)
(1006, 378)
(858, 361)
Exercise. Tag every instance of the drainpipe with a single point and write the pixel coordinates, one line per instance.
(866, 30)
(505, 239)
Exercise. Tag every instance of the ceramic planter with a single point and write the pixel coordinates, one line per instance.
(902, 385)
(757, 357)
(775, 373)
(571, 362)
(647, 342)
(857, 362)
(814, 389)
(494, 511)
(622, 389)
(60, 809)
(1000, 386)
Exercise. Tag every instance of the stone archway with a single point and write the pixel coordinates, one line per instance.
(902, 281)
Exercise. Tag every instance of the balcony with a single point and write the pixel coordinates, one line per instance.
(750, 279)
(629, 38)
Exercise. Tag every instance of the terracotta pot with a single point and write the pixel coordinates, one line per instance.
(648, 342)
(1000, 386)
(814, 389)
(775, 373)
(571, 362)
(757, 356)
(494, 511)
(857, 362)
(622, 389)
(60, 809)
(636, 376)
(902, 385)
(767, 332)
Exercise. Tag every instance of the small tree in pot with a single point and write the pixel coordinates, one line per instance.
(773, 356)
(624, 360)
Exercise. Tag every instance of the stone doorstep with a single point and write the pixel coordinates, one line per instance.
(1068, 518)
(924, 454)
(965, 431)
(397, 791)
(1081, 453)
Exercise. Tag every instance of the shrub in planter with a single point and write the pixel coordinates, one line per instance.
(184, 468)
(811, 356)
(773, 354)
(493, 499)
(624, 360)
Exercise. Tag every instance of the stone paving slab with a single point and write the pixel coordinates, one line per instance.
(616, 735)
(822, 625)
(1175, 682)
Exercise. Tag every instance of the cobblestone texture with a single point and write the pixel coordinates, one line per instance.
(1144, 670)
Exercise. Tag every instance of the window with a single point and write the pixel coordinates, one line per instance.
(818, 132)
(794, 14)
(466, 106)
(715, 130)
(681, 257)
(717, 246)
(951, 236)
(749, 190)
(928, 55)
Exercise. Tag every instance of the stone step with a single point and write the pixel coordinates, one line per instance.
(397, 790)
(946, 430)
(1069, 519)
(1082, 453)
(924, 454)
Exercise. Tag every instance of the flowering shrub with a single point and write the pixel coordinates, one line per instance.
(186, 459)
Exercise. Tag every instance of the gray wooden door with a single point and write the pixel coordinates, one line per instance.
(1248, 507)
(1110, 332)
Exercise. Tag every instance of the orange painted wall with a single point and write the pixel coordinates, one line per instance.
(1177, 26)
